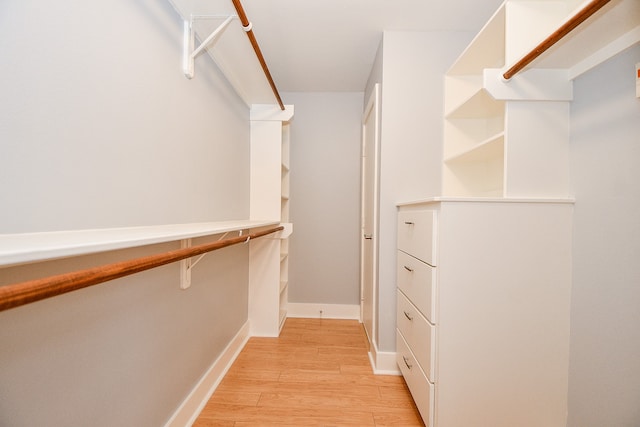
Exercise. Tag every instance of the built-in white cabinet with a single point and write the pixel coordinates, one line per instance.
(415, 311)
(483, 313)
(484, 268)
(269, 198)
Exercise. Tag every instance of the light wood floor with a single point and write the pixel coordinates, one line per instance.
(317, 373)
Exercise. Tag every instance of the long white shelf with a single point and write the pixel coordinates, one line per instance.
(479, 105)
(486, 50)
(486, 200)
(32, 247)
(490, 148)
(283, 285)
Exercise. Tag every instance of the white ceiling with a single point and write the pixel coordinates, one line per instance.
(330, 45)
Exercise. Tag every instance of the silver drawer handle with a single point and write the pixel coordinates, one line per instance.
(407, 315)
(409, 222)
(407, 363)
(409, 269)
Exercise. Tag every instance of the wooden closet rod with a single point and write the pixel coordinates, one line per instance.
(246, 25)
(555, 37)
(18, 294)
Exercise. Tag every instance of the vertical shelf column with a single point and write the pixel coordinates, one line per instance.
(474, 126)
(284, 218)
(507, 139)
(269, 200)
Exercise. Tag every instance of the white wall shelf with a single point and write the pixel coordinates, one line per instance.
(486, 50)
(461, 89)
(33, 247)
(486, 150)
(414, 204)
(283, 285)
(479, 105)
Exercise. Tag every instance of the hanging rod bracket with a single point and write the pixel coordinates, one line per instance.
(187, 264)
(189, 50)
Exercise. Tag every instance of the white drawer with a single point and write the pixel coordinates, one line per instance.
(421, 389)
(416, 280)
(419, 335)
(416, 234)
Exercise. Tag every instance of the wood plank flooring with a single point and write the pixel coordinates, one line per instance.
(317, 373)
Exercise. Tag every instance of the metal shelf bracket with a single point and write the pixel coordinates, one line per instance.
(186, 265)
(189, 50)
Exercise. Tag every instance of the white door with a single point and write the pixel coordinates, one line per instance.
(369, 216)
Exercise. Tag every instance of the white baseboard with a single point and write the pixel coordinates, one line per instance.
(383, 362)
(324, 311)
(191, 407)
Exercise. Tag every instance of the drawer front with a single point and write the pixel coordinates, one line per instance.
(418, 334)
(416, 234)
(421, 389)
(416, 280)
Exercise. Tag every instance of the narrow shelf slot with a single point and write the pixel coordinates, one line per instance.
(283, 285)
(477, 172)
(461, 135)
(488, 149)
(460, 89)
(283, 317)
(486, 50)
(284, 187)
(479, 105)
(284, 210)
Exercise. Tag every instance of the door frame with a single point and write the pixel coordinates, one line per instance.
(372, 107)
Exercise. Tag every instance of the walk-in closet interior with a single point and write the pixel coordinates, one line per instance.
(459, 176)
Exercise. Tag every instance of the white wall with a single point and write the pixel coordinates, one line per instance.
(99, 128)
(123, 353)
(324, 260)
(413, 67)
(604, 376)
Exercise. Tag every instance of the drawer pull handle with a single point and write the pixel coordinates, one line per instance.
(409, 366)
(409, 222)
(408, 316)
(409, 269)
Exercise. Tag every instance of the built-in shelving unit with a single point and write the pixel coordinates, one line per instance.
(497, 143)
(284, 217)
(269, 271)
(285, 187)
(506, 200)
(474, 120)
